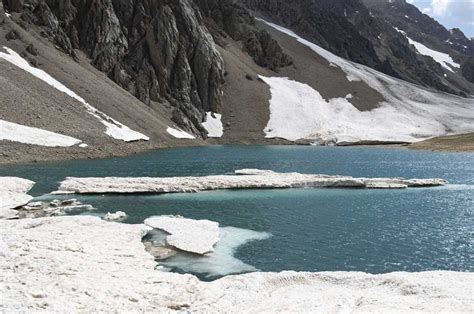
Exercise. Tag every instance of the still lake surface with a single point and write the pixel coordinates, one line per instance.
(374, 231)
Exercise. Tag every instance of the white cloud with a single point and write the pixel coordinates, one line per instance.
(440, 7)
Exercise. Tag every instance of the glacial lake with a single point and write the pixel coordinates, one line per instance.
(375, 231)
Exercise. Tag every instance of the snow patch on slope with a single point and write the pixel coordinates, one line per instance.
(427, 113)
(179, 134)
(297, 111)
(14, 132)
(443, 59)
(114, 128)
(213, 125)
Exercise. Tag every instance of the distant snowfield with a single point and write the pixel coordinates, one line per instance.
(114, 128)
(213, 125)
(443, 59)
(28, 135)
(179, 134)
(409, 113)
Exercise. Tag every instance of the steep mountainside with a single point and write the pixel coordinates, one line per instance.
(364, 32)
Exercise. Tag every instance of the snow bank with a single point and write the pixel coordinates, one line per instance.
(114, 128)
(443, 59)
(13, 193)
(194, 236)
(85, 264)
(222, 261)
(10, 131)
(245, 179)
(179, 134)
(340, 292)
(409, 113)
(213, 125)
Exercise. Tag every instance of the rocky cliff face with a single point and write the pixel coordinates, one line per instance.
(160, 51)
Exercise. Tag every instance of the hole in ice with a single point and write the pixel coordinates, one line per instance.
(219, 263)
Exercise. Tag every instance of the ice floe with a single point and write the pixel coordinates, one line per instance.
(221, 261)
(179, 133)
(14, 132)
(213, 125)
(409, 113)
(13, 194)
(114, 128)
(194, 236)
(85, 264)
(51, 209)
(244, 179)
(115, 216)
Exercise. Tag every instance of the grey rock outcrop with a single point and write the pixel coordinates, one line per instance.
(160, 51)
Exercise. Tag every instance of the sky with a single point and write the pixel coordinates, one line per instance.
(450, 13)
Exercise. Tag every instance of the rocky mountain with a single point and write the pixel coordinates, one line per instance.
(166, 72)
(365, 31)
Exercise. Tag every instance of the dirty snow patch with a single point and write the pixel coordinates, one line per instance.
(14, 132)
(179, 134)
(114, 128)
(194, 236)
(213, 125)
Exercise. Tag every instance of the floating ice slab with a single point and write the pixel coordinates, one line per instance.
(13, 193)
(115, 216)
(245, 179)
(98, 266)
(194, 236)
(28, 135)
(222, 260)
(114, 128)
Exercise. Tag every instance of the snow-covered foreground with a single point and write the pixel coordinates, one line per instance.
(84, 264)
(114, 128)
(409, 113)
(213, 125)
(244, 179)
(28, 135)
(179, 133)
(194, 236)
(13, 193)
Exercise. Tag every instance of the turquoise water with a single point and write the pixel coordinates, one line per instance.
(374, 231)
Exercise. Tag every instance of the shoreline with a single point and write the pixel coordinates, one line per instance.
(17, 154)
